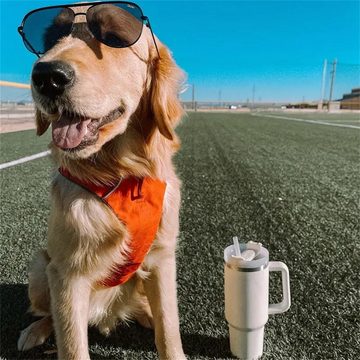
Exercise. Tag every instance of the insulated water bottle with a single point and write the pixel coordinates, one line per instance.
(247, 307)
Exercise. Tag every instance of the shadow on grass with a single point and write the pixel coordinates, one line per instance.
(14, 318)
(203, 345)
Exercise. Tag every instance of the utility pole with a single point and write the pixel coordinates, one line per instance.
(333, 73)
(219, 98)
(323, 82)
(193, 96)
(253, 96)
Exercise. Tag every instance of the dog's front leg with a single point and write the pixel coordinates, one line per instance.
(160, 288)
(69, 308)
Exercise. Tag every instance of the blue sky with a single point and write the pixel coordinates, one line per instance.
(228, 47)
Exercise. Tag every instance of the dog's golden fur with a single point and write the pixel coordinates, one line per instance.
(85, 238)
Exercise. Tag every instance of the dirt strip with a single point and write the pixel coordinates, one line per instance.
(16, 124)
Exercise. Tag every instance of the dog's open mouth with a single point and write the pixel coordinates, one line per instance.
(72, 131)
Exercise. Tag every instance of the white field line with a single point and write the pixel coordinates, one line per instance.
(24, 159)
(309, 121)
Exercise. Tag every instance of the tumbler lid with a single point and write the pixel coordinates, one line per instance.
(257, 263)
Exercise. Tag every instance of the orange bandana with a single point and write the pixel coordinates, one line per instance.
(138, 204)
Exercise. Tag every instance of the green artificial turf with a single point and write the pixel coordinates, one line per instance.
(293, 186)
(20, 144)
(337, 118)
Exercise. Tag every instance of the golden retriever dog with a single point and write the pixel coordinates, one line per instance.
(112, 113)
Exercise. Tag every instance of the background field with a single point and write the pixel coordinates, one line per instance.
(333, 118)
(293, 186)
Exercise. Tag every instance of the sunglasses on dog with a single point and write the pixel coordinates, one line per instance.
(117, 24)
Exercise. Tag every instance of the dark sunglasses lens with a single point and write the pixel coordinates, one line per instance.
(115, 25)
(44, 28)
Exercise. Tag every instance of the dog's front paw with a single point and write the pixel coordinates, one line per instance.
(35, 334)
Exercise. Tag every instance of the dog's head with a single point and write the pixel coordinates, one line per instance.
(89, 92)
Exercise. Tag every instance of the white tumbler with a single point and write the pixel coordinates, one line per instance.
(247, 296)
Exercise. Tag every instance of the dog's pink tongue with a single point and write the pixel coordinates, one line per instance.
(67, 133)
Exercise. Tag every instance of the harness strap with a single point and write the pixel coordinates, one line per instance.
(137, 202)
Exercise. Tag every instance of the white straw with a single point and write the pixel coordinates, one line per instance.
(236, 246)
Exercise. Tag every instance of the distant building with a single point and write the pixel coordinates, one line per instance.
(302, 105)
(351, 101)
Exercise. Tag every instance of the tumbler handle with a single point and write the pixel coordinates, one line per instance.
(284, 305)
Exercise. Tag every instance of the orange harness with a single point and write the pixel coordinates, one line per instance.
(138, 204)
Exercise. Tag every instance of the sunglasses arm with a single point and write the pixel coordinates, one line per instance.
(147, 22)
(21, 32)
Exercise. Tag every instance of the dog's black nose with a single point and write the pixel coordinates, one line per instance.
(52, 78)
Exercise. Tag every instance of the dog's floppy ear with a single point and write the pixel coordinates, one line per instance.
(165, 104)
(41, 123)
